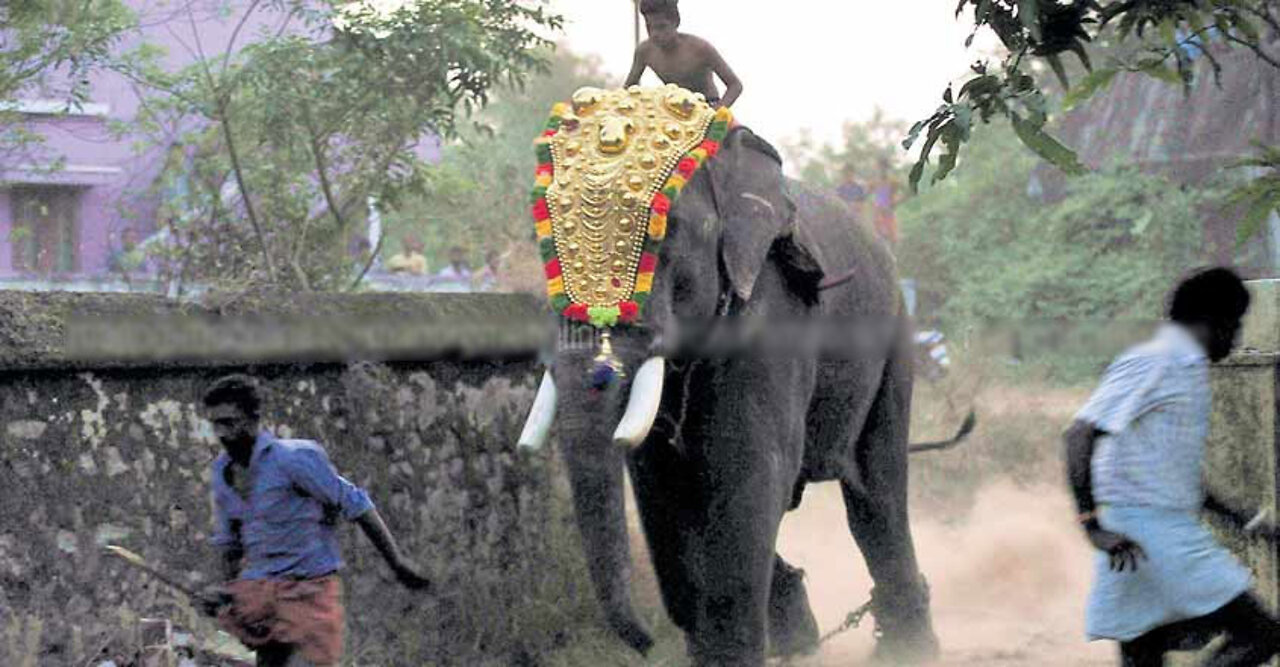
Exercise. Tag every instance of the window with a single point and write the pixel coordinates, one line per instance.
(45, 230)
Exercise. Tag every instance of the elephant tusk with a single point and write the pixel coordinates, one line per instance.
(642, 404)
(538, 425)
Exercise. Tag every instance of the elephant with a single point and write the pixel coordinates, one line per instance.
(719, 443)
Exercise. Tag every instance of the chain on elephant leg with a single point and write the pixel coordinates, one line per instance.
(904, 628)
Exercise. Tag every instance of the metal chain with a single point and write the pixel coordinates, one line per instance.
(853, 620)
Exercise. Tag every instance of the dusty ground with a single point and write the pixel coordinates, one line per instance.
(1008, 568)
(1009, 582)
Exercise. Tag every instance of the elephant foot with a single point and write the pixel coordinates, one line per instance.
(792, 628)
(904, 629)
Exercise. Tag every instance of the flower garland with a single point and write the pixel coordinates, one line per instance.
(625, 311)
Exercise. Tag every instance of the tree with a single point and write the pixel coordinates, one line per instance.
(49, 47)
(984, 248)
(1150, 36)
(293, 134)
(865, 145)
(480, 188)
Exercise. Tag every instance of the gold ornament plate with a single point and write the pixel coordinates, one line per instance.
(612, 154)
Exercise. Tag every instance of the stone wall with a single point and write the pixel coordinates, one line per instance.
(1243, 452)
(102, 445)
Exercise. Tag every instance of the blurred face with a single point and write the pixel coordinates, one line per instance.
(662, 28)
(235, 429)
(1223, 338)
(455, 256)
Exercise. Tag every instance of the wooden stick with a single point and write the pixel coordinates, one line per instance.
(138, 562)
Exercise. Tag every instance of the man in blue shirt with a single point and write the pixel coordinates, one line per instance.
(276, 508)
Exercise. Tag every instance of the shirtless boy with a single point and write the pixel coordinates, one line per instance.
(684, 60)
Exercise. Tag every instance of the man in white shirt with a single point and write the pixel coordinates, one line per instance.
(1135, 459)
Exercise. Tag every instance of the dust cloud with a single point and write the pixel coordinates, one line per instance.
(1009, 581)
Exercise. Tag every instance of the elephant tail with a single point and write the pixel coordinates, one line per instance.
(965, 429)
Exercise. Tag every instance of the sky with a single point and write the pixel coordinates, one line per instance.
(804, 64)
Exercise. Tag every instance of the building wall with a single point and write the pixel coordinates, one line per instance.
(113, 176)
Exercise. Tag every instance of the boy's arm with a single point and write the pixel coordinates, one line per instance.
(376, 530)
(733, 85)
(638, 65)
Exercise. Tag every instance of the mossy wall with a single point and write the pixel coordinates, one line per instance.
(101, 442)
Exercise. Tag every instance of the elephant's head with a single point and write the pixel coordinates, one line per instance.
(718, 239)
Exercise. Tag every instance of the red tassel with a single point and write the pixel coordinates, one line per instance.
(661, 205)
(540, 211)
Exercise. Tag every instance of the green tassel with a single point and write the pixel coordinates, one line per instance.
(603, 316)
(547, 248)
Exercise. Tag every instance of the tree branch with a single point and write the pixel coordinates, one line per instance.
(221, 101)
(1257, 50)
(231, 43)
(373, 254)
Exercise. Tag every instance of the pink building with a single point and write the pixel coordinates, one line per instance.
(64, 225)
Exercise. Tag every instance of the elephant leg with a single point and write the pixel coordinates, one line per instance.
(736, 555)
(664, 496)
(876, 505)
(746, 461)
(792, 628)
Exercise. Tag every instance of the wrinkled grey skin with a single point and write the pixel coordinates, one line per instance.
(755, 428)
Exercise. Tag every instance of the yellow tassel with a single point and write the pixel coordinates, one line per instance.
(658, 227)
(644, 282)
(555, 286)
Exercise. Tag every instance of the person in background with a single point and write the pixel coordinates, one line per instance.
(457, 275)
(884, 199)
(277, 504)
(488, 277)
(852, 191)
(410, 259)
(1135, 463)
(685, 60)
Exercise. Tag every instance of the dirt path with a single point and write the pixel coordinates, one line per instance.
(1009, 583)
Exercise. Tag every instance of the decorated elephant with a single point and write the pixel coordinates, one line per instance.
(728, 336)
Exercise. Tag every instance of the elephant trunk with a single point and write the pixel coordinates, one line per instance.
(595, 474)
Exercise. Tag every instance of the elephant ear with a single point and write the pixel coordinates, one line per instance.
(755, 210)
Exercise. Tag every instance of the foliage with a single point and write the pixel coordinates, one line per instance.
(480, 188)
(49, 48)
(865, 146)
(1150, 36)
(1261, 196)
(294, 134)
(983, 248)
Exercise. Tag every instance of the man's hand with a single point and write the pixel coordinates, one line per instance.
(212, 599)
(407, 574)
(1122, 550)
(1260, 525)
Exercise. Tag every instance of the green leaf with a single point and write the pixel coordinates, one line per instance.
(1047, 147)
(917, 171)
(1099, 80)
(1158, 70)
(1256, 217)
(1060, 70)
(1029, 13)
